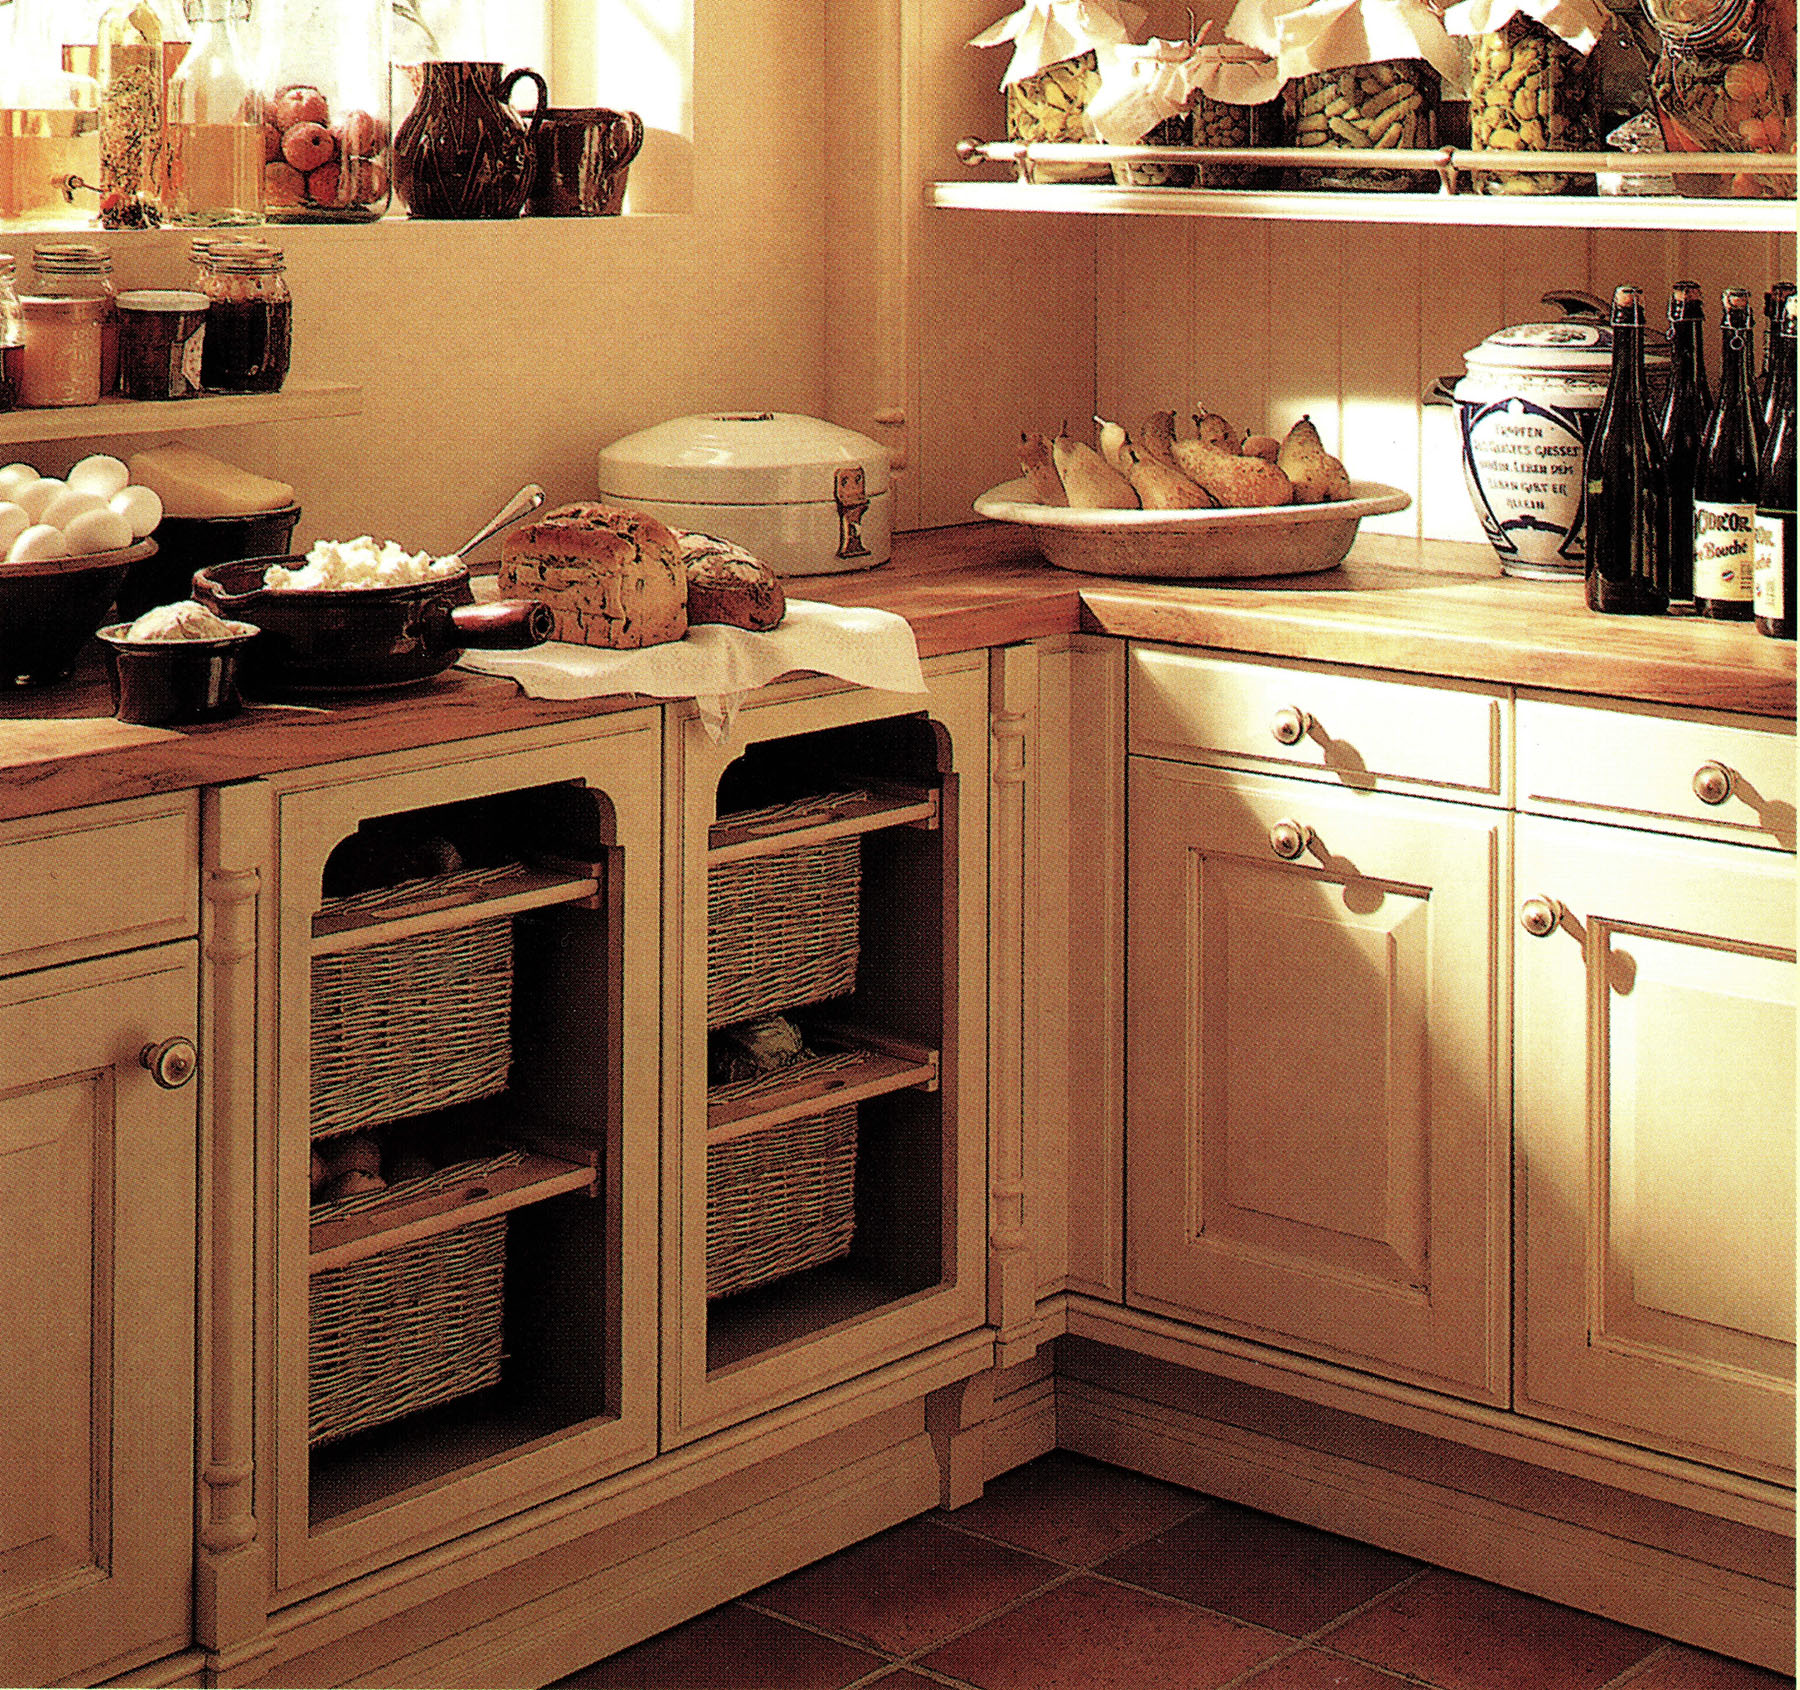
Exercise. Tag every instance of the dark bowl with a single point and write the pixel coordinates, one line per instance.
(49, 610)
(187, 543)
(167, 683)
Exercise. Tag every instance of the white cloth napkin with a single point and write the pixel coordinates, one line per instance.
(1044, 32)
(1303, 36)
(1581, 23)
(716, 666)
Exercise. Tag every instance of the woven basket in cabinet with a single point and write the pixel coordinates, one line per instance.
(782, 1198)
(781, 929)
(410, 1327)
(414, 1024)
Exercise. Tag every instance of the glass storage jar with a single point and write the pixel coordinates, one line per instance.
(1724, 82)
(64, 341)
(215, 129)
(12, 333)
(249, 319)
(81, 270)
(1235, 123)
(1392, 103)
(1529, 91)
(328, 135)
(49, 118)
(1052, 106)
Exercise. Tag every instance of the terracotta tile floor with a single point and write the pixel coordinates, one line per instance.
(1072, 1575)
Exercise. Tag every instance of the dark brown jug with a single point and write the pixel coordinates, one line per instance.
(463, 151)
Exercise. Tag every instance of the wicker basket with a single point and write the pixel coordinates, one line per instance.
(781, 1199)
(415, 1024)
(782, 928)
(412, 1326)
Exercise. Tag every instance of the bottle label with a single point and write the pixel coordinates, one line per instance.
(1770, 595)
(1724, 550)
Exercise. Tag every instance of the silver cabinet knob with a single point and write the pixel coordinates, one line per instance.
(1540, 917)
(1290, 725)
(172, 1063)
(1712, 783)
(1290, 839)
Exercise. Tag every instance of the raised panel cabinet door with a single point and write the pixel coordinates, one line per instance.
(1655, 1119)
(97, 1338)
(1316, 1137)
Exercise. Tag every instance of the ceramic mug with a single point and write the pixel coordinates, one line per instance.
(583, 153)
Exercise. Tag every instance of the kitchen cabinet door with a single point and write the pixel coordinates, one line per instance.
(1316, 1136)
(1655, 1099)
(97, 1342)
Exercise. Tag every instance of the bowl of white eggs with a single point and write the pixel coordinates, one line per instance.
(66, 543)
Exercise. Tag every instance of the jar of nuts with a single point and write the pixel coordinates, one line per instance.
(1051, 105)
(1529, 91)
(1389, 104)
(1237, 103)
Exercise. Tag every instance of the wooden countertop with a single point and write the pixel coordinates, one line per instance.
(1420, 608)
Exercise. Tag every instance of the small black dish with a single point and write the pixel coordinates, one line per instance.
(173, 683)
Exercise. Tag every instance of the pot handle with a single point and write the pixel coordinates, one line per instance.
(535, 116)
(502, 624)
(220, 595)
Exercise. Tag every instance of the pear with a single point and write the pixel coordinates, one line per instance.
(1264, 446)
(1211, 429)
(1040, 471)
(1115, 443)
(1090, 482)
(1317, 476)
(1231, 478)
(1160, 487)
(1157, 438)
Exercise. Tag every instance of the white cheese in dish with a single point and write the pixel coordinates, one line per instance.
(187, 619)
(362, 562)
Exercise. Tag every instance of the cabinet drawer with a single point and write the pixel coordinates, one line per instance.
(94, 881)
(1329, 724)
(1615, 761)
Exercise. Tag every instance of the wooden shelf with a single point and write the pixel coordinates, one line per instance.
(835, 816)
(880, 1065)
(353, 1238)
(297, 402)
(1340, 205)
(525, 889)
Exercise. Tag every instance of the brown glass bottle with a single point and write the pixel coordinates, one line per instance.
(1626, 503)
(1774, 310)
(1684, 418)
(1774, 592)
(1725, 481)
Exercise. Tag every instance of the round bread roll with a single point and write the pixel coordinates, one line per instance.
(727, 584)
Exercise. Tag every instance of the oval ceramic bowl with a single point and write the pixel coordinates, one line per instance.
(1193, 545)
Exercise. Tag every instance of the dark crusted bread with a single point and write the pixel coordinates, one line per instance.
(726, 584)
(610, 577)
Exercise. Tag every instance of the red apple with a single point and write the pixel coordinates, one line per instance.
(322, 184)
(300, 103)
(364, 134)
(271, 142)
(367, 182)
(306, 146)
(282, 184)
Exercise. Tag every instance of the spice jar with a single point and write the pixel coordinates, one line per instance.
(1392, 103)
(327, 134)
(80, 270)
(1529, 91)
(249, 319)
(12, 333)
(63, 349)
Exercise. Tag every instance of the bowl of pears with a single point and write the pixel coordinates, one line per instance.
(1187, 500)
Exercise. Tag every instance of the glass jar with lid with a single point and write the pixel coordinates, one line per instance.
(215, 128)
(1529, 91)
(1390, 103)
(12, 333)
(328, 135)
(49, 117)
(1724, 82)
(81, 270)
(249, 319)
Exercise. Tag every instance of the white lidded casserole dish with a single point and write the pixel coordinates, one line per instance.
(805, 496)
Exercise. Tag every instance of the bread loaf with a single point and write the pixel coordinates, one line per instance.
(727, 584)
(610, 577)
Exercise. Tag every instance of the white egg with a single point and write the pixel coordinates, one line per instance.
(15, 476)
(38, 544)
(100, 474)
(99, 530)
(13, 523)
(67, 503)
(35, 497)
(140, 506)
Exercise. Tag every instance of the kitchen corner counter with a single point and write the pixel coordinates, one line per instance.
(1432, 608)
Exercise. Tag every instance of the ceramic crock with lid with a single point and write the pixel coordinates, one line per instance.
(805, 496)
(1526, 408)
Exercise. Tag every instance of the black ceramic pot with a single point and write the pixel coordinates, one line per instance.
(169, 683)
(49, 610)
(463, 151)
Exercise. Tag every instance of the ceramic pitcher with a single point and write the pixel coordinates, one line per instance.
(463, 151)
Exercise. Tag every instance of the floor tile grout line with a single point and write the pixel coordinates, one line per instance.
(1118, 1548)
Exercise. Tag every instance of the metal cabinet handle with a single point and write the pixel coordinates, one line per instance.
(1289, 839)
(172, 1063)
(1290, 725)
(1540, 917)
(1712, 783)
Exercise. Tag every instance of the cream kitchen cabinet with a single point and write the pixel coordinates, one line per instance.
(99, 972)
(828, 1220)
(1317, 1122)
(1654, 1092)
